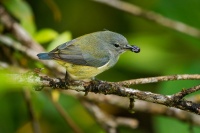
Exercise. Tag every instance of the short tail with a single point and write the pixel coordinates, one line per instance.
(44, 56)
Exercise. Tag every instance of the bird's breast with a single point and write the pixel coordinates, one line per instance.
(78, 72)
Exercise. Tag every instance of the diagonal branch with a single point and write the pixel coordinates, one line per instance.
(17, 30)
(152, 16)
(185, 92)
(108, 122)
(65, 115)
(9, 42)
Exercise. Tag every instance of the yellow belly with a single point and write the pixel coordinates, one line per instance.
(78, 72)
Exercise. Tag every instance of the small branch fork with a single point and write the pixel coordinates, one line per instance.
(177, 100)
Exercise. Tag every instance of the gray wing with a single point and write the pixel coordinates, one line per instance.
(71, 52)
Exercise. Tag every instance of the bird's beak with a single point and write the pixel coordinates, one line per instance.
(133, 48)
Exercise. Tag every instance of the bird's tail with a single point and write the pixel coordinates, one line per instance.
(44, 56)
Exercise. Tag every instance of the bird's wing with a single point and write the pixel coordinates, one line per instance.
(68, 52)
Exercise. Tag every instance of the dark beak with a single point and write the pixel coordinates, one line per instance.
(133, 48)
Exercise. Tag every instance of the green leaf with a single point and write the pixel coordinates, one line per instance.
(45, 35)
(62, 38)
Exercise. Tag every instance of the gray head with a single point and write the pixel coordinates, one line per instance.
(118, 42)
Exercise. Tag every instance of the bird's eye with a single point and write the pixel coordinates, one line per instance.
(116, 45)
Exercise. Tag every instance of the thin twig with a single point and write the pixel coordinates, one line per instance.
(160, 79)
(35, 124)
(65, 115)
(185, 92)
(152, 16)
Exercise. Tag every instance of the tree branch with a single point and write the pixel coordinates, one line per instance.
(152, 16)
(142, 106)
(9, 42)
(139, 106)
(108, 122)
(114, 89)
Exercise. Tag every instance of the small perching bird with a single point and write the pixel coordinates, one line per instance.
(88, 55)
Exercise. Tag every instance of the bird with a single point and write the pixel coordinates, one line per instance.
(89, 55)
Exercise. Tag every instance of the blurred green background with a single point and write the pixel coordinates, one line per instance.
(163, 52)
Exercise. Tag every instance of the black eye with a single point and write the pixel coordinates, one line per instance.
(116, 45)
